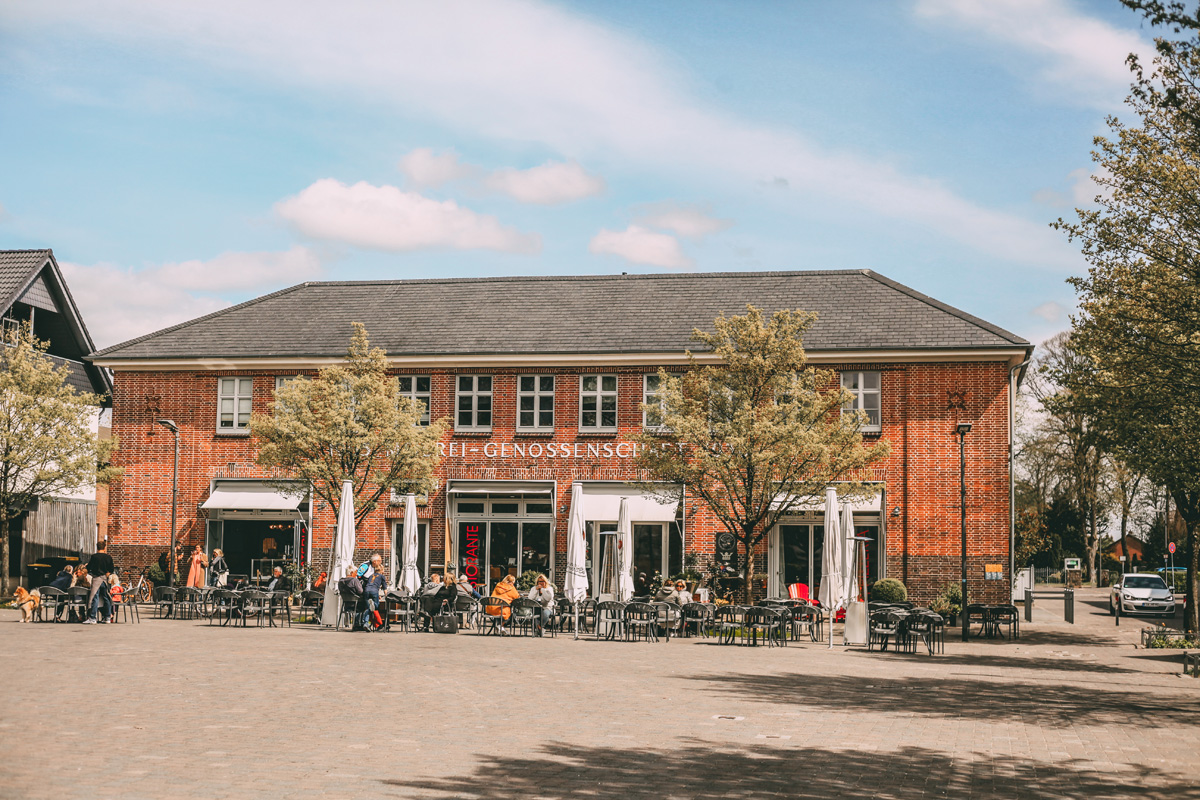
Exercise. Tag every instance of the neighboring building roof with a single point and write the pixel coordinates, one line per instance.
(858, 310)
(33, 277)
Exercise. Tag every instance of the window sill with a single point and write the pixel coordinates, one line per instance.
(607, 434)
(233, 434)
(475, 432)
(533, 433)
(872, 433)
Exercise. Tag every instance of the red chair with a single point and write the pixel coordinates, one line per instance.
(798, 591)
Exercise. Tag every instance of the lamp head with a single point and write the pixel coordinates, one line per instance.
(169, 424)
(964, 428)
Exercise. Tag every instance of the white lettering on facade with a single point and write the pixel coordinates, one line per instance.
(578, 450)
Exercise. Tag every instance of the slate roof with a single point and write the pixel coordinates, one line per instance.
(858, 310)
(16, 270)
(19, 269)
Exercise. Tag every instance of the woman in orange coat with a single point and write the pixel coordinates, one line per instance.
(198, 562)
(506, 589)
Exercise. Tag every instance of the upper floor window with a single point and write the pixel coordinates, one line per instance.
(535, 403)
(233, 404)
(474, 403)
(653, 400)
(416, 387)
(598, 402)
(865, 388)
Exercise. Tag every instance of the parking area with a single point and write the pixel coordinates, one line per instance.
(180, 709)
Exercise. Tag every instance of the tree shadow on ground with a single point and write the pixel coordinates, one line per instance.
(1013, 661)
(701, 771)
(1064, 638)
(963, 697)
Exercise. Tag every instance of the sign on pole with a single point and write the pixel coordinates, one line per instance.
(1070, 563)
(1171, 548)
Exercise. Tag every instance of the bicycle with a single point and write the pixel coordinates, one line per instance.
(140, 592)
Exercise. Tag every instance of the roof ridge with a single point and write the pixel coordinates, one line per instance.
(607, 276)
(949, 309)
(187, 323)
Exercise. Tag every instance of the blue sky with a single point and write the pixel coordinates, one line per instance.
(181, 157)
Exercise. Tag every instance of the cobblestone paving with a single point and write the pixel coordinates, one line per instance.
(206, 712)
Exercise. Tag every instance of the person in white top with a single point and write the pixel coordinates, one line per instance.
(682, 593)
(543, 593)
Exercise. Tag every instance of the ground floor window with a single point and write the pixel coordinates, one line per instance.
(253, 547)
(797, 552)
(398, 551)
(488, 550)
(657, 550)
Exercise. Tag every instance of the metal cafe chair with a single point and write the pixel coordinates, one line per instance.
(727, 622)
(610, 620)
(492, 618)
(77, 603)
(255, 604)
(164, 601)
(187, 602)
(669, 618)
(404, 612)
(698, 615)
(53, 601)
(310, 605)
(224, 606)
(641, 619)
(351, 607)
(526, 614)
(279, 608)
(769, 621)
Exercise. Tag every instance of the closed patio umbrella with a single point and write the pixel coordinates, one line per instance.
(575, 587)
(855, 630)
(624, 553)
(343, 554)
(833, 563)
(410, 576)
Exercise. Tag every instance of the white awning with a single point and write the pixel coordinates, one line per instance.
(500, 487)
(251, 496)
(602, 500)
(816, 505)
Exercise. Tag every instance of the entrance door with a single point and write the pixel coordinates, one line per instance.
(488, 551)
(796, 557)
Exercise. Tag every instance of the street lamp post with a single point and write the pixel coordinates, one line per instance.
(173, 428)
(963, 429)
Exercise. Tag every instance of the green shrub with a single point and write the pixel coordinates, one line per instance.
(527, 580)
(1160, 641)
(159, 578)
(951, 597)
(889, 590)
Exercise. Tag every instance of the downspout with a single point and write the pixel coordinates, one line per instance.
(1012, 487)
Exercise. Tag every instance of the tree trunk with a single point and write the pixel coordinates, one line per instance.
(1187, 506)
(1093, 546)
(4, 555)
(748, 572)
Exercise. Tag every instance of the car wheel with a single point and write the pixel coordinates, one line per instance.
(1112, 610)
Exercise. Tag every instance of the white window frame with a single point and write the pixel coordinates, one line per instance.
(651, 398)
(537, 394)
(475, 394)
(600, 393)
(858, 403)
(415, 394)
(235, 399)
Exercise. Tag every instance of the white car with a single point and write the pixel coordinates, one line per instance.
(1140, 593)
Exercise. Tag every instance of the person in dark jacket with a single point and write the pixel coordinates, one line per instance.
(374, 587)
(100, 565)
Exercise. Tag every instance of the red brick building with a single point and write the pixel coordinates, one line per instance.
(544, 379)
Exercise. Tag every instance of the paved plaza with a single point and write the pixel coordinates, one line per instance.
(171, 709)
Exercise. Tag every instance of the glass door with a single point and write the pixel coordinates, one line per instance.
(798, 553)
(503, 551)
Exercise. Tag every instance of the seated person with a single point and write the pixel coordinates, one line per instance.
(506, 589)
(465, 589)
(81, 577)
(448, 594)
(543, 593)
(682, 593)
(277, 582)
(62, 582)
(667, 594)
(429, 600)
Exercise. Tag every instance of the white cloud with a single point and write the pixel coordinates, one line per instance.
(689, 221)
(387, 218)
(550, 184)
(118, 303)
(1077, 51)
(423, 167)
(1050, 311)
(526, 72)
(641, 246)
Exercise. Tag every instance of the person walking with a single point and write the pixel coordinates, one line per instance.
(220, 569)
(100, 566)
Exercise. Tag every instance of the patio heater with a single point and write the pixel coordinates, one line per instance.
(963, 429)
(170, 425)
